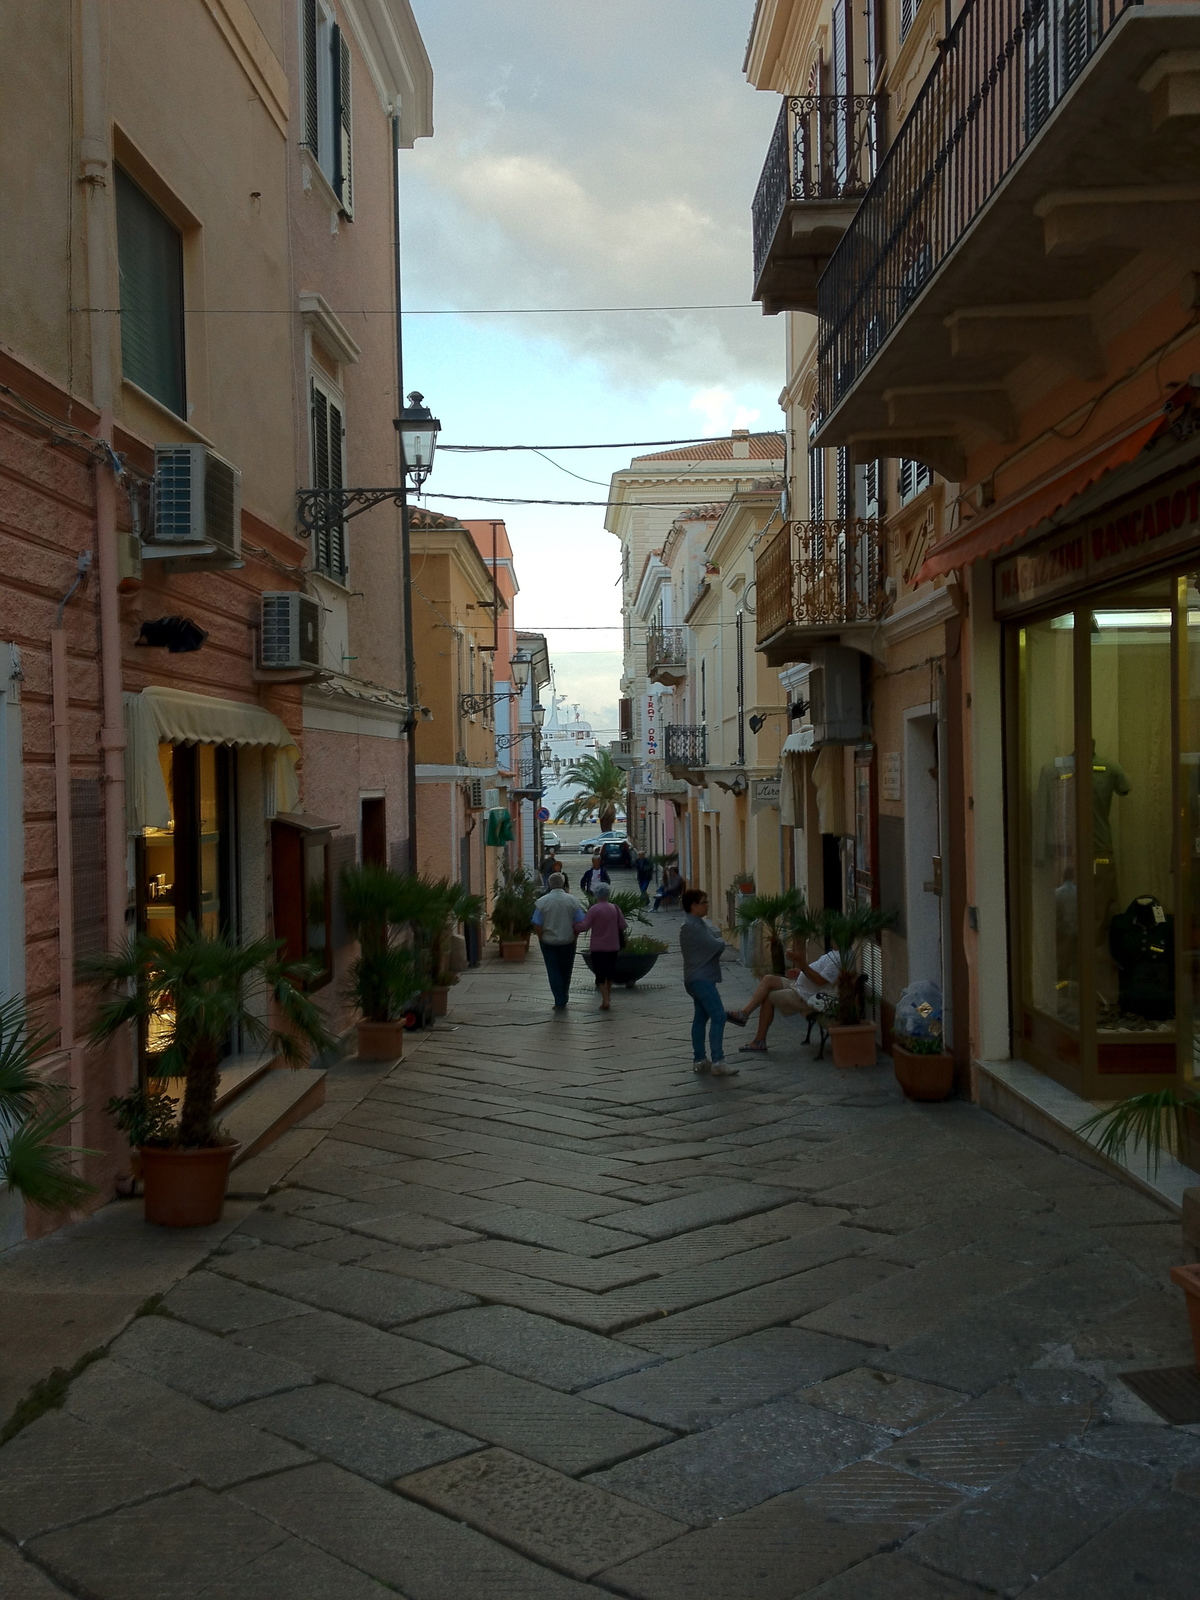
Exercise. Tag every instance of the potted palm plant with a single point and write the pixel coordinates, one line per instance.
(384, 978)
(33, 1111)
(513, 905)
(443, 906)
(1163, 1120)
(779, 915)
(851, 1036)
(191, 995)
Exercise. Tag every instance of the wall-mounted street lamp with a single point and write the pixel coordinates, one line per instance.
(418, 429)
(519, 666)
(507, 740)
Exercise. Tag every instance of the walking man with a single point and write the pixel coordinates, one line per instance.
(793, 996)
(703, 945)
(606, 923)
(645, 874)
(595, 875)
(557, 916)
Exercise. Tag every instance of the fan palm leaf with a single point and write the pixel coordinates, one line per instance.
(602, 784)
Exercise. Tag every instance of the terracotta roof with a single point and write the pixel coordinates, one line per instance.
(763, 447)
(709, 513)
(419, 517)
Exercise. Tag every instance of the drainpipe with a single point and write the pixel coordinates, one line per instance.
(95, 173)
(64, 859)
(410, 658)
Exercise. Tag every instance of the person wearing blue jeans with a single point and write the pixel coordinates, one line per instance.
(703, 946)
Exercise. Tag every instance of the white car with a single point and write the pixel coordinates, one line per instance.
(551, 841)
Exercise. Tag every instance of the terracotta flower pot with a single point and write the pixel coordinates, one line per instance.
(440, 1000)
(381, 1041)
(1188, 1279)
(186, 1188)
(853, 1044)
(923, 1077)
(514, 949)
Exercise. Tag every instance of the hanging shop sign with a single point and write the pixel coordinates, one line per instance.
(1142, 529)
(764, 795)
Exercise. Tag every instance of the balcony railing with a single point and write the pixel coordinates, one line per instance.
(685, 745)
(822, 575)
(824, 147)
(666, 652)
(1003, 68)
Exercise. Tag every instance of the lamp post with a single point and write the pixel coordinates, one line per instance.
(539, 716)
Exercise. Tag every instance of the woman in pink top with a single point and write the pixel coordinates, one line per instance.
(607, 924)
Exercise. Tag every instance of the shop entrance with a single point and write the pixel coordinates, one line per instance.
(1104, 756)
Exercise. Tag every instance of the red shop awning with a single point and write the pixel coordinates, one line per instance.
(1001, 524)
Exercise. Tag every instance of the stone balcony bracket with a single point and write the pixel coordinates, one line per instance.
(1075, 221)
(943, 453)
(1063, 332)
(1173, 84)
(953, 408)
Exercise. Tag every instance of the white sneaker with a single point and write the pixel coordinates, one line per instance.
(722, 1069)
(701, 1066)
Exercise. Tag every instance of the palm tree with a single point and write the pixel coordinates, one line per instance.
(848, 931)
(781, 915)
(602, 784)
(32, 1111)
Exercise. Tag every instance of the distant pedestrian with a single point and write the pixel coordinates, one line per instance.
(670, 889)
(550, 863)
(625, 855)
(702, 946)
(644, 868)
(606, 923)
(557, 917)
(596, 874)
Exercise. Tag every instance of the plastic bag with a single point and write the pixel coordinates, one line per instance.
(919, 1011)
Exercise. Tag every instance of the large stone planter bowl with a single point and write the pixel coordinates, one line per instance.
(629, 968)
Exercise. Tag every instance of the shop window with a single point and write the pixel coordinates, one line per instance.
(302, 897)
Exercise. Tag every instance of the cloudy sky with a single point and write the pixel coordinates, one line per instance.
(587, 153)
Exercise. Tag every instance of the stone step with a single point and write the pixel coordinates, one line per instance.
(271, 1105)
(238, 1073)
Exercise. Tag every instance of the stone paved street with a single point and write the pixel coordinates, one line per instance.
(546, 1315)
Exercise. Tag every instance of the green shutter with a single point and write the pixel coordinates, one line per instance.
(150, 258)
(342, 183)
(308, 52)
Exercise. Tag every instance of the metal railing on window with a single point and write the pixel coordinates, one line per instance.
(824, 147)
(685, 744)
(822, 575)
(1003, 68)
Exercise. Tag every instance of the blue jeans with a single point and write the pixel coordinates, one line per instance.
(710, 1010)
(559, 959)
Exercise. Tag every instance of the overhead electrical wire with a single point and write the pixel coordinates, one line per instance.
(621, 444)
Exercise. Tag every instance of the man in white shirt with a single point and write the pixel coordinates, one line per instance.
(556, 918)
(791, 997)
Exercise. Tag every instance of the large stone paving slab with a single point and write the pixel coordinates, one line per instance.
(573, 1526)
(561, 1431)
(216, 1448)
(1031, 1523)
(983, 1441)
(209, 1369)
(906, 1305)
(221, 1305)
(21, 1580)
(422, 1554)
(789, 1544)
(380, 1298)
(558, 1232)
(60, 1470)
(882, 1399)
(530, 1347)
(374, 1440)
(742, 1461)
(350, 1353)
(695, 1391)
(723, 1203)
(177, 1544)
(1150, 1550)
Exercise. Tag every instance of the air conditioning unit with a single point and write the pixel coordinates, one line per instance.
(291, 630)
(835, 696)
(475, 788)
(197, 507)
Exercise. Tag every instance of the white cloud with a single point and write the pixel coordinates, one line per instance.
(720, 411)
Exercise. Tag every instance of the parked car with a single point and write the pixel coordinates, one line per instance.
(551, 841)
(610, 845)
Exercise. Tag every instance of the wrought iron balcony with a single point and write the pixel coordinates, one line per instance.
(816, 580)
(1002, 73)
(666, 655)
(821, 160)
(685, 748)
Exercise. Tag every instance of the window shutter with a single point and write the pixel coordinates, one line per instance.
(150, 260)
(337, 530)
(342, 183)
(308, 53)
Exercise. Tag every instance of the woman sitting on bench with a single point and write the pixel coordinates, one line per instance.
(791, 996)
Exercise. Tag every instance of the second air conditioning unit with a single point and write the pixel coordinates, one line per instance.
(291, 630)
(475, 788)
(196, 507)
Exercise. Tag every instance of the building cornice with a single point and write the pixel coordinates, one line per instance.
(254, 55)
(387, 34)
(930, 610)
(327, 327)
